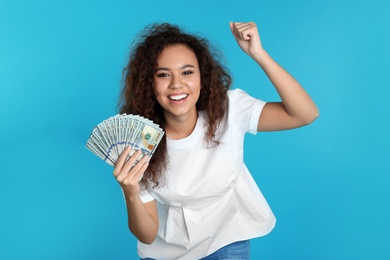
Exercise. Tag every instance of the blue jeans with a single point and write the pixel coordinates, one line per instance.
(235, 251)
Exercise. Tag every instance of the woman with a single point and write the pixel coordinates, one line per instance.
(195, 199)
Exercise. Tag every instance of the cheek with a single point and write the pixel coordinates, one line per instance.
(155, 89)
(159, 97)
(158, 87)
(198, 82)
(157, 94)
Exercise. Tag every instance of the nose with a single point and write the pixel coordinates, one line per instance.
(176, 82)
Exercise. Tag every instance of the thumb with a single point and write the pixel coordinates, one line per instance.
(231, 25)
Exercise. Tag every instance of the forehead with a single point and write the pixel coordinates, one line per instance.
(177, 53)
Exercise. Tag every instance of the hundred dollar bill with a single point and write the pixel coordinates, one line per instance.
(109, 138)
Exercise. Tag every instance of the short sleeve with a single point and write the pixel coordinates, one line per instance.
(145, 196)
(244, 111)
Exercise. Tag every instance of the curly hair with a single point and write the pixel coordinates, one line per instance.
(137, 95)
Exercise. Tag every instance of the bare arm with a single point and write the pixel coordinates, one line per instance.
(297, 108)
(142, 218)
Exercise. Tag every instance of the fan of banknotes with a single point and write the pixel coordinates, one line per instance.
(109, 138)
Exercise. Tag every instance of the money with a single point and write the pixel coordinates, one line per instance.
(112, 136)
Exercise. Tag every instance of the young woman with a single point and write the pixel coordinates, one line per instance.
(195, 198)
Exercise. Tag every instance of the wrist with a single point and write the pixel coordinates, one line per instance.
(130, 195)
(260, 57)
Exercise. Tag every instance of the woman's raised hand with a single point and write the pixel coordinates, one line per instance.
(128, 174)
(247, 37)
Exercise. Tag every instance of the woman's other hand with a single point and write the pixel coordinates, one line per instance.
(247, 37)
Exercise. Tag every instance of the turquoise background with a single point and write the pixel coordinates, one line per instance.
(60, 74)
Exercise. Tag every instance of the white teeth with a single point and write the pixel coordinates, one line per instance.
(178, 97)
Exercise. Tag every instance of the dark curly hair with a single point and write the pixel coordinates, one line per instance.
(137, 95)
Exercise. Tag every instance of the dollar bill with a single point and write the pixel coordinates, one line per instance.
(112, 136)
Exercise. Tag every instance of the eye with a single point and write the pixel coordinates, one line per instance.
(188, 72)
(162, 75)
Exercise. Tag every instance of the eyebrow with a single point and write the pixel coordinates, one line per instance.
(182, 67)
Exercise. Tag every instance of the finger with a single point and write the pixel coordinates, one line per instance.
(139, 165)
(121, 176)
(233, 30)
(127, 167)
(231, 25)
(246, 31)
(132, 160)
(238, 30)
(137, 172)
(142, 171)
(121, 161)
(246, 34)
(239, 26)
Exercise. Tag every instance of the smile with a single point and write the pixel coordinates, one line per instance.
(177, 97)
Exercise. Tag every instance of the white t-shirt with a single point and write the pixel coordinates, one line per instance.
(208, 198)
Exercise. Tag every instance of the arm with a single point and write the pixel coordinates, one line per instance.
(142, 218)
(297, 108)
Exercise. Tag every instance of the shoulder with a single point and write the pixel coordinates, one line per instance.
(236, 93)
(240, 96)
(241, 100)
(244, 110)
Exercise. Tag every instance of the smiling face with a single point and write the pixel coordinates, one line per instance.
(177, 83)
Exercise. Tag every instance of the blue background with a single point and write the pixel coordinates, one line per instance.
(60, 75)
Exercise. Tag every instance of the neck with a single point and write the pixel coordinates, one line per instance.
(178, 128)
